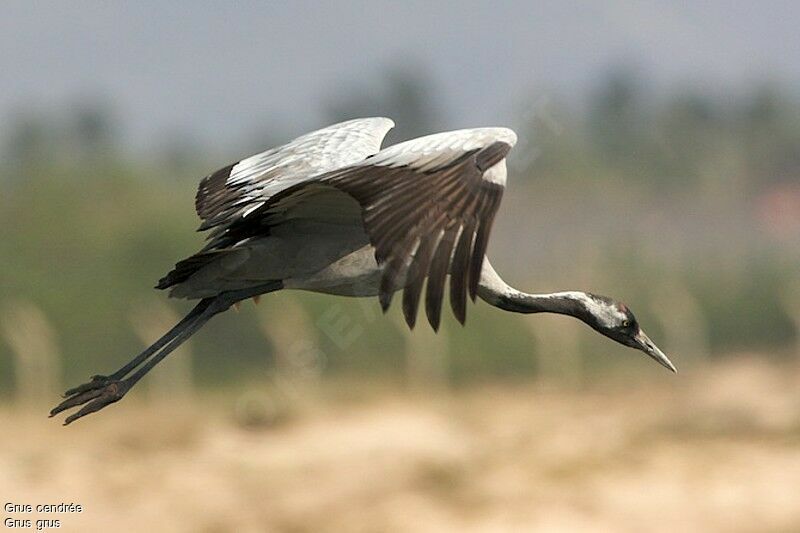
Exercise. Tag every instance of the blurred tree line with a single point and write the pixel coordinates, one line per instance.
(663, 200)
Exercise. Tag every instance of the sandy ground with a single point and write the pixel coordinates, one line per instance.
(716, 450)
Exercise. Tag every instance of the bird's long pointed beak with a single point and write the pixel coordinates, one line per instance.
(648, 347)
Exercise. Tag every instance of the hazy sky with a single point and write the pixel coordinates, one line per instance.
(221, 71)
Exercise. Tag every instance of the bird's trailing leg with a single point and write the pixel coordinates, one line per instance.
(101, 391)
(99, 381)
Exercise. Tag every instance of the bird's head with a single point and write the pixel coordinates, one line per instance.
(614, 320)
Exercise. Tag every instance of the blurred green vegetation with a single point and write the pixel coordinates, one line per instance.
(663, 201)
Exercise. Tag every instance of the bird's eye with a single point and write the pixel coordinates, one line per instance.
(626, 323)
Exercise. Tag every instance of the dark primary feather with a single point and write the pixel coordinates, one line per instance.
(212, 193)
(434, 291)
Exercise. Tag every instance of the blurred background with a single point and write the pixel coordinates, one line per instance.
(658, 162)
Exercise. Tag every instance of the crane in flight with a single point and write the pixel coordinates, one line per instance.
(332, 212)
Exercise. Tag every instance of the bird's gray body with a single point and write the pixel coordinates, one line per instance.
(315, 257)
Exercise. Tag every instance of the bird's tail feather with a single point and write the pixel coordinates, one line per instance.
(185, 268)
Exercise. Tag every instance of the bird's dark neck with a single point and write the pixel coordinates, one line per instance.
(498, 293)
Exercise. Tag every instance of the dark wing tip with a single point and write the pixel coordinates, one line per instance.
(459, 271)
(488, 157)
(437, 276)
(492, 194)
(411, 319)
(211, 187)
(461, 314)
(417, 272)
(385, 298)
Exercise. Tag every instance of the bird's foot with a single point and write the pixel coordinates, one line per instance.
(99, 392)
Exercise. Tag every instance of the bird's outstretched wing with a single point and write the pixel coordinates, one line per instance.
(238, 189)
(427, 206)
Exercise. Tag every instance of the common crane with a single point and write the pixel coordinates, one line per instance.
(331, 212)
